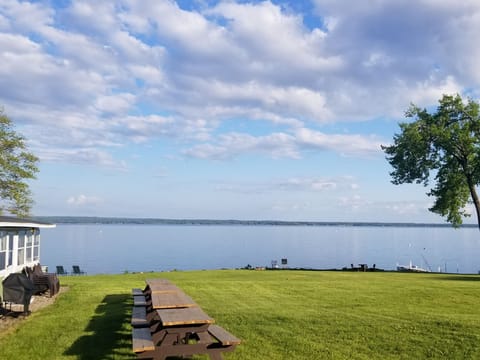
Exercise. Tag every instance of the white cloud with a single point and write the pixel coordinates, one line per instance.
(270, 36)
(87, 156)
(27, 16)
(284, 145)
(83, 200)
(115, 104)
(148, 70)
(350, 145)
(275, 145)
(308, 185)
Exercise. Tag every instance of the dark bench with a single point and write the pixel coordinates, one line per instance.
(223, 336)
(139, 300)
(142, 340)
(137, 292)
(139, 316)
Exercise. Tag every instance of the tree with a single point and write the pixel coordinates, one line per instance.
(445, 143)
(17, 165)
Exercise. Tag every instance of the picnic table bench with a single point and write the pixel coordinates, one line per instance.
(139, 300)
(139, 317)
(172, 324)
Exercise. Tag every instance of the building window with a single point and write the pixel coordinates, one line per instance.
(29, 247)
(36, 246)
(3, 251)
(11, 237)
(21, 248)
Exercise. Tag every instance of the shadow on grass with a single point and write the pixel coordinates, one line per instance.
(107, 334)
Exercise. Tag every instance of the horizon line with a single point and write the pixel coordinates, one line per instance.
(66, 219)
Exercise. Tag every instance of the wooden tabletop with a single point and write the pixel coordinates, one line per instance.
(171, 300)
(184, 316)
(158, 281)
(163, 288)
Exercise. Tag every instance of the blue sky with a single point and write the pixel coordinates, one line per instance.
(229, 109)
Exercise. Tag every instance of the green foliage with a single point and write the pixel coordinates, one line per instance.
(277, 314)
(446, 143)
(17, 165)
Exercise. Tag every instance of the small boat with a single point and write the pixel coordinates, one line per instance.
(410, 268)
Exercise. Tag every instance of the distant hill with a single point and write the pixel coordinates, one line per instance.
(155, 221)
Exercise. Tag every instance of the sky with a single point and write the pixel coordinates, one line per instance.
(265, 110)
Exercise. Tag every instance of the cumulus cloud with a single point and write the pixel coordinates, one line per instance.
(385, 42)
(285, 145)
(275, 145)
(152, 70)
(345, 144)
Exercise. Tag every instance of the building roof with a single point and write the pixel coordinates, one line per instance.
(14, 222)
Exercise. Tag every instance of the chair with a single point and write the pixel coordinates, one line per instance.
(76, 270)
(44, 281)
(61, 271)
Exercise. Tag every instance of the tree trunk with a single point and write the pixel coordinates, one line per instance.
(476, 201)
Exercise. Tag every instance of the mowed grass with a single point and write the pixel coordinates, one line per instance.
(278, 315)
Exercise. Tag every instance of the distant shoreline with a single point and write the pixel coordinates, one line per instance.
(158, 221)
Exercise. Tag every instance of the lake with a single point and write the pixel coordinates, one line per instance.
(118, 248)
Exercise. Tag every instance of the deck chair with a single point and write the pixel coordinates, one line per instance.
(61, 271)
(76, 270)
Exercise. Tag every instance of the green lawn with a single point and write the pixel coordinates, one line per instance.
(277, 314)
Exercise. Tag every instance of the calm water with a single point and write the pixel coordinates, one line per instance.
(117, 248)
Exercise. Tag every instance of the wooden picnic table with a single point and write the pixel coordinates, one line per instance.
(184, 332)
(173, 330)
(176, 326)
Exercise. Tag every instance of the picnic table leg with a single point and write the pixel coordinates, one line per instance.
(158, 337)
(204, 338)
(150, 316)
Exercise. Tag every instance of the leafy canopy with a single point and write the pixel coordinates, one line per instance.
(17, 165)
(443, 146)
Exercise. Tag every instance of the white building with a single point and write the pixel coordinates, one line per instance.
(19, 244)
